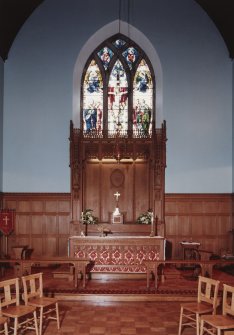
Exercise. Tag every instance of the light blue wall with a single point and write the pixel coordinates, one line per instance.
(1, 120)
(196, 95)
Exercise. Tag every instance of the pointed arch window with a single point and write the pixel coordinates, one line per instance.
(118, 90)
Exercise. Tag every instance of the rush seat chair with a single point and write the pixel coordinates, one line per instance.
(21, 316)
(33, 296)
(207, 302)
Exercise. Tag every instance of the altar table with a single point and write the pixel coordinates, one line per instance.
(124, 254)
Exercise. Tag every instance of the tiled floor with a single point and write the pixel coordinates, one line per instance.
(120, 318)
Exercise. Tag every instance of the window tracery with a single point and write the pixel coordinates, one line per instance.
(117, 94)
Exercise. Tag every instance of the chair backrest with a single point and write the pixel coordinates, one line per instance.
(10, 290)
(228, 300)
(33, 286)
(208, 290)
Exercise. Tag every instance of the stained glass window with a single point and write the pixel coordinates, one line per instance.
(105, 55)
(142, 98)
(118, 90)
(93, 99)
(131, 56)
(118, 99)
(119, 43)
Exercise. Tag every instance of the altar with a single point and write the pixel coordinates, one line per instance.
(120, 254)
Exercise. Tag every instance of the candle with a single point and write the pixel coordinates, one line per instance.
(152, 224)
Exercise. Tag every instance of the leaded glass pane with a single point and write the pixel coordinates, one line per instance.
(93, 99)
(118, 99)
(119, 43)
(105, 55)
(142, 98)
(131, 56)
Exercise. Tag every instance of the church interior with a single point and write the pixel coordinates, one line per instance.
(116, 174)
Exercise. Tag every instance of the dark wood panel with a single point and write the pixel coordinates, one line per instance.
(41, 220)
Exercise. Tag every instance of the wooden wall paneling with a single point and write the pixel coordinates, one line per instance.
(170, 207)
(12, 204)
(42, 220)
(126, 192)
(37, 206)
(22, 224)
(91, 188)
(39, 220)
(184, 226)
(37, 224)
(63, 246)
(23, 206)
(64, 206)
(208, 221)
(63, 224)
(141, 188)
(51, 246)
(224, 224)
(207, 226)
(38, 246)
(51, 226)
(196, 206)
(51, 206)
(210, 207)
(171, 225)
(183, 207)
(106, 202)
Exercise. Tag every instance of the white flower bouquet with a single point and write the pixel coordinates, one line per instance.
(88, 218)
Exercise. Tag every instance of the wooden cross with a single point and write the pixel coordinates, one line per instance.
(117, 195)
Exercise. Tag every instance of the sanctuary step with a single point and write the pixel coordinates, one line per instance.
(65, 271)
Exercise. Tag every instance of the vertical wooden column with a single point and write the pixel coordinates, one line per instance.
(76, 179)
(159, 165)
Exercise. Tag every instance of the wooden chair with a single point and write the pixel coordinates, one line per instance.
(3, 323)
(214, 324)
(24, 316)
(207, 302)
(33, 296)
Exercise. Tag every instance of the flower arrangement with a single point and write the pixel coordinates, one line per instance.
(88, 218)
(145, 218)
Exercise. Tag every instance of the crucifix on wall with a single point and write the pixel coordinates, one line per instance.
(117, 195)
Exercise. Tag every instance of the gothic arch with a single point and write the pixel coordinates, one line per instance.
(96, 39)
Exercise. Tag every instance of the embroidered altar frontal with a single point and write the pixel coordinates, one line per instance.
(118, 254)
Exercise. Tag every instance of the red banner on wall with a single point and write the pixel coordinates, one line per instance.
(7, 221)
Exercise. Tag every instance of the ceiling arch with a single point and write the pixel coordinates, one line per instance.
(13, 14)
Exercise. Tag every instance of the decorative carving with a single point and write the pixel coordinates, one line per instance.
(141, 150)
(117, 178)
(119, 255)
